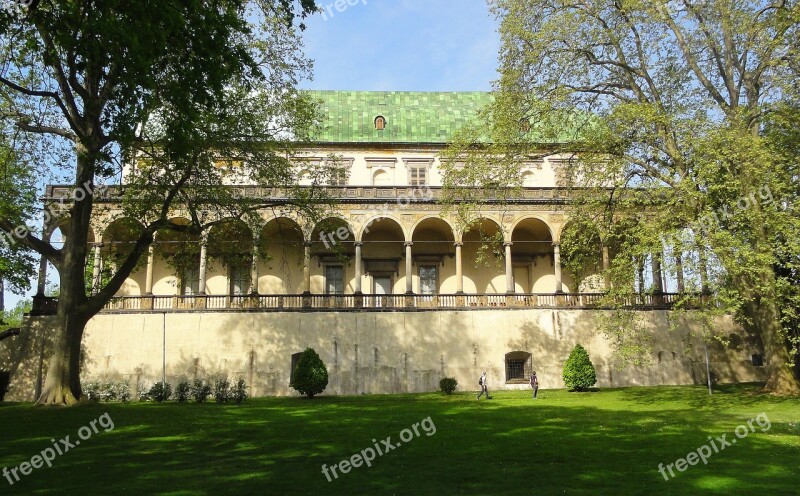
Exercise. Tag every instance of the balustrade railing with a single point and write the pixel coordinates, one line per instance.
(394, 301)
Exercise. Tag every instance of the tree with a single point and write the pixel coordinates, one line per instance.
(160, 90)
(662, 106)
(579, 373)
(310, 375)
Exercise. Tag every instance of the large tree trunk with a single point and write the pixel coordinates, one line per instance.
(777, 361)
(63, 384)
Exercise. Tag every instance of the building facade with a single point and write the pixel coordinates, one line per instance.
(389, 289)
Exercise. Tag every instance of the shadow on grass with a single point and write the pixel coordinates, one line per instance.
(610, 442)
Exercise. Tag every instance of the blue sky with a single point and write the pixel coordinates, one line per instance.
(403, 45)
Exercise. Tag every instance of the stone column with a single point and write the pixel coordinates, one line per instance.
(148, 280)
(42, 283)
(96, 267)
(459, 270)
(307, 268)
(409, 269)
(658, 281)
(606, 267)
(557, 267)
(509, 270)
(679, 272)
(357, 289)
(201, 287)
(254, 269)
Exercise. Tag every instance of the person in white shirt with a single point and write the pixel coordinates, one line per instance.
(484, 388)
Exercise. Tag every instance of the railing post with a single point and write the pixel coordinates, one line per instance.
(147, 302)
(200, 301)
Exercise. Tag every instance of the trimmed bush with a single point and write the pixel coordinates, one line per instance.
(310, 375)
(5, 381)
(448, 385)
(222, 390)
(160, 392)
(239, 391)
(201, 390)
(579, 373)
(182, 391)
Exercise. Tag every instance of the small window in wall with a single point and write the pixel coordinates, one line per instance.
(334, 279)
(338, 176)
(428, 279)
(518, 367)
(380, 123)
(417, 175)
(190, 282)
(240, 280)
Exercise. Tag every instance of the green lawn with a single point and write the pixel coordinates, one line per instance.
(606, 442)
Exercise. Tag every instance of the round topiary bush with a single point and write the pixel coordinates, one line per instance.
(310, 376)
(579, 373)
(448, 385)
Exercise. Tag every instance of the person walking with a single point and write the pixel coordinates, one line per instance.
(534, 384)
(484, 387)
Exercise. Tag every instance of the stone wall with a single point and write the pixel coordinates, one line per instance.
(370, 352)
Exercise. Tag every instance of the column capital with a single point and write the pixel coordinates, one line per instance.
(458, 244)
(508, 243)
(408, 243)
(358, 244)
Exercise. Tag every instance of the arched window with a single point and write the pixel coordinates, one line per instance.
(518, 367)
(380, 123)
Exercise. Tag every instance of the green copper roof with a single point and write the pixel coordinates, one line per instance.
(411, 117)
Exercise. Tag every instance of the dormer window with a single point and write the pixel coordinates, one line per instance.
(380, 123)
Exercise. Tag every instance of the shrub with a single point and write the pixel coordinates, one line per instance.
(310, 375)
(123, 390)
(579, 373)
(201, 390)
(448, 385)
(160, 392)
(5, 382)
(92, 391)
(142, 391)
(182, 391)
(239, 391)
(222, 390)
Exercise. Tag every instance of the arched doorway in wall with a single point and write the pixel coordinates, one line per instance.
(519, 365)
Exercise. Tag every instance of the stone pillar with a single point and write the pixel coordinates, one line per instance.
(409, 269)
(201, 287)
(307, 268)
(679, 271)
(459, 270)
(42, 283)
(148, 280)
(640, 273)
(509, 270)
(703, 266)
(254, 269)
(557, 267)
(606, 267)
(96, 267)
(658, 281)
(357, 289)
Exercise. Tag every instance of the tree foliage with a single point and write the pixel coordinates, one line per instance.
(180, 97)
(662, 107)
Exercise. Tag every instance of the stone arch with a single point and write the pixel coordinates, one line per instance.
(371, 221)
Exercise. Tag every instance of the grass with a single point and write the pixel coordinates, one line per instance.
(606, 442)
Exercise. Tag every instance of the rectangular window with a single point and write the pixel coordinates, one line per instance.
(190, 282)
(417, 175)
(338, 176)
(334, 279)
(240, 280)
(428, 278)
(515, 369)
